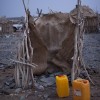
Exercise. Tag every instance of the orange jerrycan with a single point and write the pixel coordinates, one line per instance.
(81, 89)
(62, 85)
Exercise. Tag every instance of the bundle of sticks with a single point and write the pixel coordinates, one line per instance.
(24, 67)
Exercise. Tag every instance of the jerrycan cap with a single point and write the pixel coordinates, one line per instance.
(85, 81)
(82, 81)
(61, 75)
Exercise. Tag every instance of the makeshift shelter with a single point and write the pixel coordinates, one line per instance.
(55, 31)
(5, 26)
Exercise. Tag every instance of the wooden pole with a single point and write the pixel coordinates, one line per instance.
(75, 58)
(78, 46)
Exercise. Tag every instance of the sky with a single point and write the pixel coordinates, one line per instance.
(14, 8)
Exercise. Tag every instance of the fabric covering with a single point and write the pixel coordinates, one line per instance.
(54, 32)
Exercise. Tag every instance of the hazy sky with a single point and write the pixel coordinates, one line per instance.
(12, 8)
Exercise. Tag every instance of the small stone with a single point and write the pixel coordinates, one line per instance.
(22, 98)
(83, 74)
(46, 96)
(7, 83)
(35, 91)
(12, 85)
(7, 36)
(6, 87)
(48, 81)
(15, 94)
(2, 66)
(23, 91)
(18, 90)
(40, 87)
(11, 94)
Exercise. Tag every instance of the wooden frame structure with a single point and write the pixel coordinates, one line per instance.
(25, 53)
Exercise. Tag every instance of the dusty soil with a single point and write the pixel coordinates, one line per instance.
(43, 90)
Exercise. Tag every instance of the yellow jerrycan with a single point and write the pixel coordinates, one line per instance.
(81, 89)
(62, 85)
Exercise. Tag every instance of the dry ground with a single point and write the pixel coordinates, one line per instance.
(43, 91)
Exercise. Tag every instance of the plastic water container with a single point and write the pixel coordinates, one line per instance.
(81, 89)
(62, 86)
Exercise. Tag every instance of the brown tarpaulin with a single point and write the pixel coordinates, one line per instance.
(39, 49)
(54, 32)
